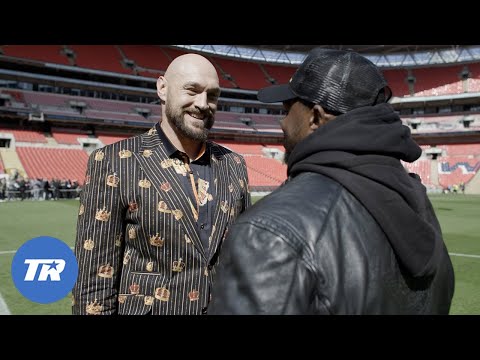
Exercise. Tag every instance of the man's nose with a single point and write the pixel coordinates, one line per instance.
(201, 101)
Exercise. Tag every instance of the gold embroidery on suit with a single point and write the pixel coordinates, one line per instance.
(134, 289)
(144, 184)
(88, 244)
(124, 154)
(163, 207)
(194, 295)
(179, 167)
(99, 156)
(132, 234)
(113, 180)
(162, 294)
(149, 266)
(132, 206)
(177, 213)
(147, 153)
(118, 239)
(166, 163)
(178, 265)
(148, 300)
(94, 308)
(103, 214)
(105, 271)
(166, 186)
(156, 240)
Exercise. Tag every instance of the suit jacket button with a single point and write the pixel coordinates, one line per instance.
(204, 311)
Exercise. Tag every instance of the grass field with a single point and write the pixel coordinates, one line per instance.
(21, 221)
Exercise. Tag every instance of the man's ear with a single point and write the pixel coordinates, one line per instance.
(162, 88)
(320, 117)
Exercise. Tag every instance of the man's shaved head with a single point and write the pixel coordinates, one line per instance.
(190, 64)
(189, 91)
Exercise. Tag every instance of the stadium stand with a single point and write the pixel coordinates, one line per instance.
(147, 57)
(43, 116)
(46, 53)
(25, 135)
(438, 81)
(100, 57)
(68, 138)
(54, 163)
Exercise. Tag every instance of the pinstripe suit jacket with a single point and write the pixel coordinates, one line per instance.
(138, 246)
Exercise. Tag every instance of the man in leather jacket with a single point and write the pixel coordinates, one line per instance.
(350, 231)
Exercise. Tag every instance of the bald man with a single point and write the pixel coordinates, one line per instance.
(155, 208)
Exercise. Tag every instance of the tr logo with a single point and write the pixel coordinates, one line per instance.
(50, 268)
(44, 269)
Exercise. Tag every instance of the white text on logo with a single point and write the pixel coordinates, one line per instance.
(50, 267)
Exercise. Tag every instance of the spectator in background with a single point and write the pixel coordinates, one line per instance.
(155, 207)
(35, 185)
(46, 189)
(350, 232)
(21, 187)
(3, 188)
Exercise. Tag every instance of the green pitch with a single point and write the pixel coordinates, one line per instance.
(21, 221)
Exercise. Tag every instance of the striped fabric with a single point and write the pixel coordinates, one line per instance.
(137, 245)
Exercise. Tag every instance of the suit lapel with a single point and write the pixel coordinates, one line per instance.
(151, 156)
(221, 179)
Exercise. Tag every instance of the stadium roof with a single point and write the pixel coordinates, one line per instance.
(363, 49)
(381, 55)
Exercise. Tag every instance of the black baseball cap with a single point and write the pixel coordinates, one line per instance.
(338, 80)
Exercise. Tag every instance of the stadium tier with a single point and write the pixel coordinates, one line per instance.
(100, 94)
(152, 60)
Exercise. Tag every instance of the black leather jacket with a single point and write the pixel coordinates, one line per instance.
(329, 256)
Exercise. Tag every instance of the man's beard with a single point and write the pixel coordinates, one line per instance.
(286, 156)
(177, 119)
(288, 145)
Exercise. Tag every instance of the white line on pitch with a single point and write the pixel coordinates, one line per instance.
(465, 255)
(3, 307)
